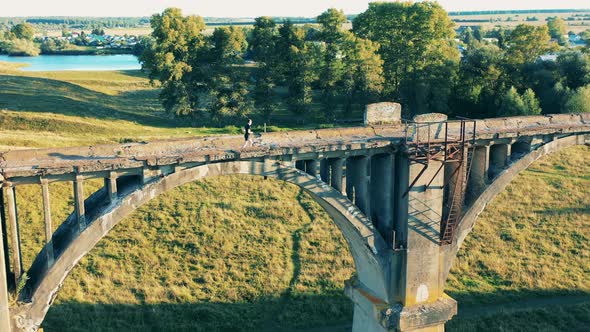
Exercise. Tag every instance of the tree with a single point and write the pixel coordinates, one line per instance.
(408, 33)
(574, 68)
(297, 66)
(23, 31)
(479, 82)
(228, 86)
(526, 43)
(558, 30)
(175, 58)
(332, 69)
(98, 31)
(478, 33)
(579, 101)
(467, 36)
(362, 81)
(22, 47)
(48, 46)
(263, 47)
(514, 104)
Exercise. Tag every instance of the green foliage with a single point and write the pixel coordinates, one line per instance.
(227, 85)
(263, 46)
(574, 69)
(479, 81)
(23, 31)
(173, 59)
(467, 36)
(579, 101)
(526, 43)
(297, 69)
(415, 45)
(22, 47)
(514, 104)
(558, 30)
(98, 31)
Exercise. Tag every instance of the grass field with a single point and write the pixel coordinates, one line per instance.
(243, 253)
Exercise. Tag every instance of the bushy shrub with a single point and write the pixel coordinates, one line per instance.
(579, 101)
(22, 47)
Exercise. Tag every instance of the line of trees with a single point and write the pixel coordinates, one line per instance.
(399, 51)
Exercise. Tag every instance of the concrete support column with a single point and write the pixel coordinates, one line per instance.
(400, 207)
(499, 158)
(48, 226)
(336, 173)
(10, 194)
(382, 172)
(519, 149)
(111, 185)
(300, 165)
(79, 203)
(312, 167)
(478, 177)
(4, 231)
(357, 183)
(421, 283)
(325, 171)
(4, 307)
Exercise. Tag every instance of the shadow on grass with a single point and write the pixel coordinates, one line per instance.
(298, 312)
(32, 94)
(550, 310)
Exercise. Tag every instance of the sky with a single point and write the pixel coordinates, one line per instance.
(246, 8)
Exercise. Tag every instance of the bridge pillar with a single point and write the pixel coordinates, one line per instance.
(357, 182)
(17, 265)
(336, 173)
(79, 203)
(325, 171)
(480, 165)
(416, 265)
(382, 173)
(4, 271)
(499, 158)
(312, 167)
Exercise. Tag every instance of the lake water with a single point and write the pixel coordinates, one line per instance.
(76, 62)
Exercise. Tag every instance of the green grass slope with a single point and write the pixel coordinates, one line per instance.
(248, 254)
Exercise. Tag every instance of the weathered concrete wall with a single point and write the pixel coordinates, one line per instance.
(383, 114)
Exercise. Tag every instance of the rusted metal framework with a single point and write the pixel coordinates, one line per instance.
(450, 144)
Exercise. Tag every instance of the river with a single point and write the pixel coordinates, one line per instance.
(76, 62)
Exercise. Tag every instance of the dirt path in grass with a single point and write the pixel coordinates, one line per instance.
(487, 310)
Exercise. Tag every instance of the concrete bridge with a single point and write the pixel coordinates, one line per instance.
(404, 196)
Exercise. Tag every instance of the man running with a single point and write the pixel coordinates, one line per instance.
(247, 133)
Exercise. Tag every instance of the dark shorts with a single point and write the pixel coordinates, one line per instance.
(246, 137)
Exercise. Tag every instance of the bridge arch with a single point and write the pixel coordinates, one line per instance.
(364, 242)
(500, 182)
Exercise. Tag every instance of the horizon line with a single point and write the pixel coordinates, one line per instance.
(454, 12)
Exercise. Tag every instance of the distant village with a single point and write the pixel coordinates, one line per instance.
(98, 40)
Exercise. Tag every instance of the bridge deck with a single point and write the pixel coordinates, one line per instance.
(39, 162)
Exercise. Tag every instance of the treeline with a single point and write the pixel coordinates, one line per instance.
(403, 52)
(79, 22)
(207, 78)
(518, 12)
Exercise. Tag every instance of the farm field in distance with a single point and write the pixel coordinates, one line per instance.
(260, 255)
(576, 21)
